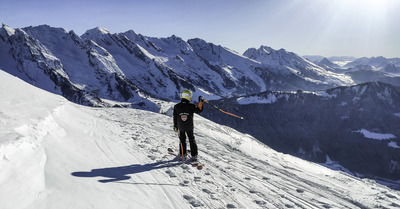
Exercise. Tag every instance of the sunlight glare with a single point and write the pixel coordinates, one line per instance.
(375, 8)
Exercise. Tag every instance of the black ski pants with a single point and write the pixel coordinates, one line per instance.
(192, 141)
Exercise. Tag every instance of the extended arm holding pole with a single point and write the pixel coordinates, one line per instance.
(228, 113)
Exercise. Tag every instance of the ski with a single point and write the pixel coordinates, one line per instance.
(198, 165)
(171, 152)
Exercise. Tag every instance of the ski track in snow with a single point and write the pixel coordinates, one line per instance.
(70, 156)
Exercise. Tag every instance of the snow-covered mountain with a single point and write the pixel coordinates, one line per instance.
(314, 125)
(338, 60)
(327, 64)
(380, 69)
(128, 67)
(366, 73)
(57, 154)
(61, 62)
(377, 62)
(237, 70)
(297, 69)
(391, 68)
(148, 65)
(364, 69)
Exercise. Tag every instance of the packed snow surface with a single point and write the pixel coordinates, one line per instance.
(56, 154)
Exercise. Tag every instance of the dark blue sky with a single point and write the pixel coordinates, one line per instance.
(306, 27)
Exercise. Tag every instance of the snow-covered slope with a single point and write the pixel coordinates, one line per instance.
(56, 154)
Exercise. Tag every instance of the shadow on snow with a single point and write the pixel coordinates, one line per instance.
(121, 173)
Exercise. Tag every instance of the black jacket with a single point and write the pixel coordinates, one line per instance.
(183, 114)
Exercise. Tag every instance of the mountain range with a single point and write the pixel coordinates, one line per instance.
(130, 67)
(286, 100)
(363, 69)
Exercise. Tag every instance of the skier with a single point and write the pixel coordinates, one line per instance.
(183, 122)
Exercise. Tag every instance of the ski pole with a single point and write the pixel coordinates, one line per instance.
(228, 113)
(183, 158)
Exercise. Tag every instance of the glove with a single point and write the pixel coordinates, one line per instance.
(176, 129)
(201, 99)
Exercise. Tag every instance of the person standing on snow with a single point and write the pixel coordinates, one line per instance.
(183, 122)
